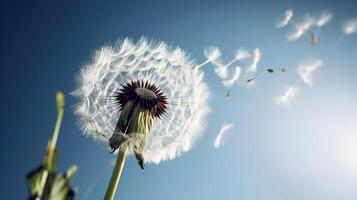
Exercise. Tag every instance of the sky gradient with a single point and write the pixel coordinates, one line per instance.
(305, 151)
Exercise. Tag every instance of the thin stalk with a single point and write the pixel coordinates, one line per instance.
(118, 168)
(49, 160)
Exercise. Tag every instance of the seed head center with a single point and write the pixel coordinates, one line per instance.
(145, 93)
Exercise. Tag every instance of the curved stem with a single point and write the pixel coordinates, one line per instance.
(118, 168)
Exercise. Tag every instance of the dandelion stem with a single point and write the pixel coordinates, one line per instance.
(60, 106)
(118, 168)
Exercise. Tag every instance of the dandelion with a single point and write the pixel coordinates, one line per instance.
(212, 53)
(306, 69)
(284, 21)
(349, 27)
(219, 140)
(142, 98)
(288, 96)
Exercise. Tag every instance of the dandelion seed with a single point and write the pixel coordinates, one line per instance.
(219, 140)
(324, 18)
(252, 68)
(268, 70)
(349, 27)
(220, 70)
(156, 102)
(283, 70)
(301, 27)
(242, 54)
(230, 82)
(306, 69)
(284, 21)
(310, 24)
(287, 97)
(212, 53)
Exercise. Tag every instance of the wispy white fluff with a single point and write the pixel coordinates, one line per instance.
(242, 54)
(252, 68)
(212, 53)
(220, 70)
(311, 24)
(230, 82)
(300, 28)
(284, 20)
(324, 18)
(350, 27)
(168, 68)
(288, 96)
(306, 69)
(219, 140)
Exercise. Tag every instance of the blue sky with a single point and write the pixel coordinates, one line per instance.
(305, 151)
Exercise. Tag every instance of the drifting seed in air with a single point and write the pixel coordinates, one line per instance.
(250, 80)
(270, 70)
(228, 95)
(313, 39)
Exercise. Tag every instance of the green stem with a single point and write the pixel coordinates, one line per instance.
(118, 168)
(60, 110)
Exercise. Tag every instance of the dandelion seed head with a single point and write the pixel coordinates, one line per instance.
(151, 73)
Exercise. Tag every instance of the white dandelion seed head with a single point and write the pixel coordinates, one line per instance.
(252, 68)
(324, 18)
(350, 27)
(306, 69)
(230, 82)
(169, 69)
(284, 20)
(288, 97)
(212, 53)
(219, 140)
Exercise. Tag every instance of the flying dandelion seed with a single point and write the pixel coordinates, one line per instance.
(228, 83)
(284, 21)
(144, 98)
(312, 25)
(288, 97)
(306, 69)
(242, 54)
(252, 68)
(324, 18)
(253, 79)
(283, 70)
(212, 53)
(349, 27)
(300, 28)
(220, 69)
(219, 140)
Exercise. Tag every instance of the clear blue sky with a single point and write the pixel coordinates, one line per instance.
(306, 151)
